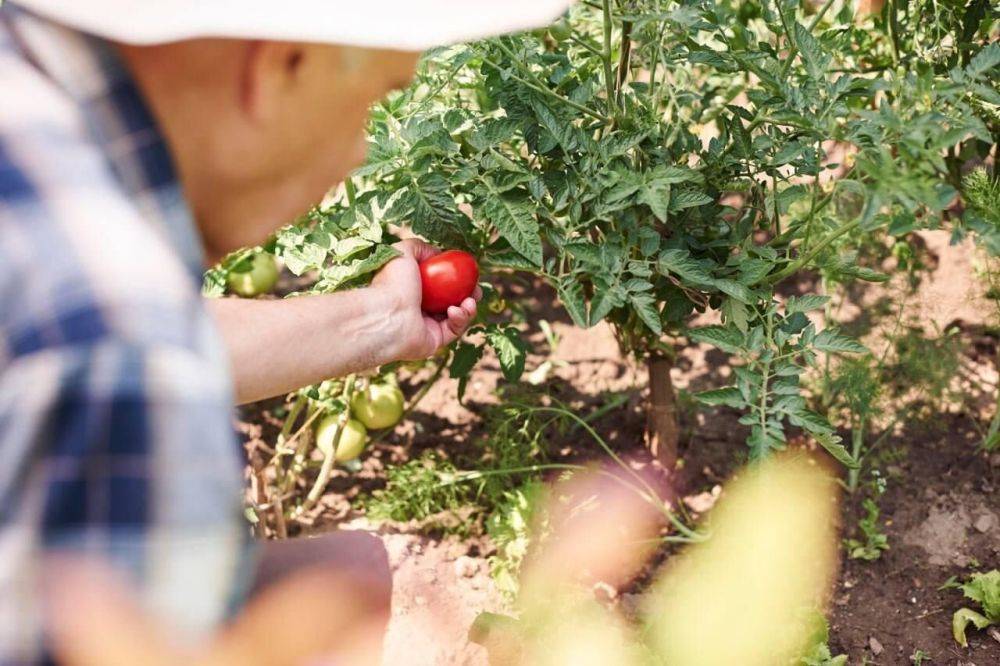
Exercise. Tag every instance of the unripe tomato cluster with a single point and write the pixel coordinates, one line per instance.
(446, 280)
(376, 407)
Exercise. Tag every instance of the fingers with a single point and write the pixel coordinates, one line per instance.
(416, 249)
(477, 294)
(456, 320)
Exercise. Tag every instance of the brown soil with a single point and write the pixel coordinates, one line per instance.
(941, 510)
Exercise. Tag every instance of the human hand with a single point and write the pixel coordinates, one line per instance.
(420, 335)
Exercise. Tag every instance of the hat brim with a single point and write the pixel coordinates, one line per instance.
(406, 25)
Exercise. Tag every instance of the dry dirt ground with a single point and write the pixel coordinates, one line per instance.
(941, 510)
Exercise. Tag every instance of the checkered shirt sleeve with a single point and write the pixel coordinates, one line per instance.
(115, 431)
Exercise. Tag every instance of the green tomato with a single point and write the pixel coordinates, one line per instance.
(258, 277)
(351, 443)
(379, 406)
(560, 30)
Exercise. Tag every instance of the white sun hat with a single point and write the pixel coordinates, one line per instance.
(408, 25)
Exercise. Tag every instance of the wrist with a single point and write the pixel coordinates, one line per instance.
(387, 312)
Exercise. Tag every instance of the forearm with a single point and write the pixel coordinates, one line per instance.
(277, 346)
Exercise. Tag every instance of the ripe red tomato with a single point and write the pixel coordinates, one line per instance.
(447, 279)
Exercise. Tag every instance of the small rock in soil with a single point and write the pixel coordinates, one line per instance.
(985, 522)
(703, 502)
(875, 646)
(994, 633)
(995, 460)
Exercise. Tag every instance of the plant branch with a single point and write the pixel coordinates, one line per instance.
(609, 81)
(549, 92)
(797, 265)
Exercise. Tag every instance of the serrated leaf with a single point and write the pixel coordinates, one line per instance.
(830, 341)
(561, 130)
(753, 270)
(513, 216)
(805, 303)
(511, 351)
(464, 359)
(735, 312)
(571, 294)
(675, 173)
(688, 199)
(813, 55)
(729, 396)
(656, 195)
(831, 444)
(810, 421)
(735, 289)
(645, 307)
(493, 132)
(681, 264)
(509, 259)
(727, 339)
(427, 205)
(984, 61)
(332, 277)
(984, 588)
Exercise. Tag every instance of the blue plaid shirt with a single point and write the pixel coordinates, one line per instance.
(115, 399)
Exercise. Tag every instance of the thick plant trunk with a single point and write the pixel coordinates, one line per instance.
(662, 429)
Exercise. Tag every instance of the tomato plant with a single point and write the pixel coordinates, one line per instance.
(662, 162)
(447, 279)
(669, 159)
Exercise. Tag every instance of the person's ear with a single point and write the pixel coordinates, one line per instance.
(268, 72)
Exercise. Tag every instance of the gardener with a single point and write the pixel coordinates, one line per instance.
(136, 147)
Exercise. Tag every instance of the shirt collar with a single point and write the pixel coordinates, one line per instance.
(90, 71)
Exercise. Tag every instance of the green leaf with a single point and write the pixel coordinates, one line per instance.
(830, 341)
(681, 264)
(735, 289)
(561, 130)
(674, 174)
(427, 205)
(815, 59)
(509, 259)
(984, 588)
(805, 303)
(960, 621)
(688, 199)
(334, 276)
(656, 195)
(729, 340)
(513, 216)
(464, 359)
(645, 307)
(571, 294)
(510, 349)
(984, 61)
(729, 396)
(735, 312)
(493, 132)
